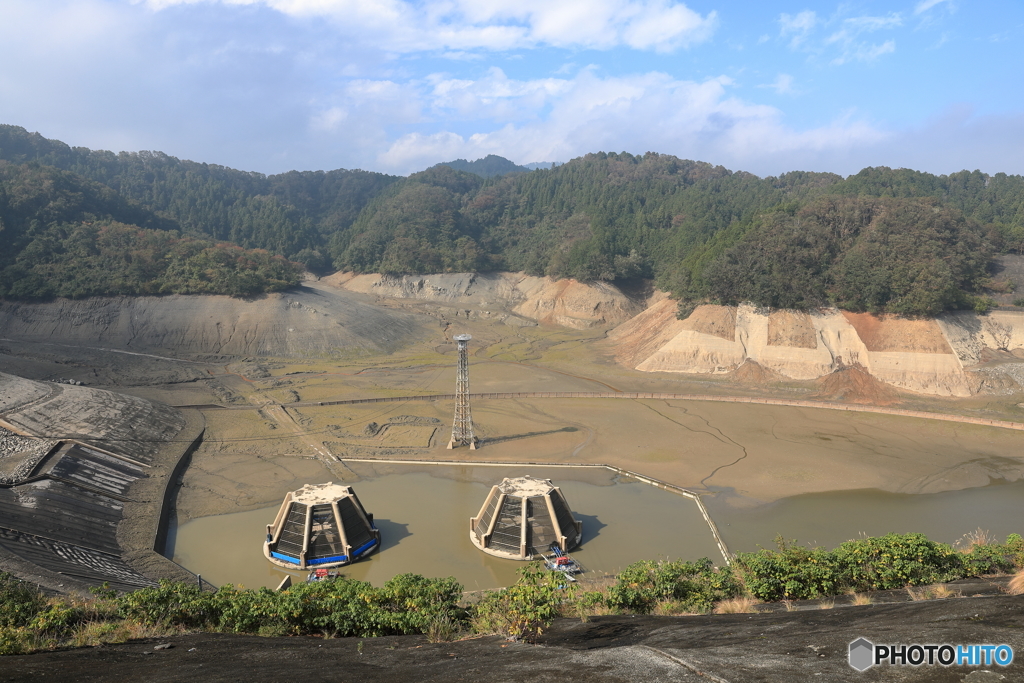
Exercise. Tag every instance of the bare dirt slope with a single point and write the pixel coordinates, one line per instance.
(927, 356)
(310, 320)
(513, 298)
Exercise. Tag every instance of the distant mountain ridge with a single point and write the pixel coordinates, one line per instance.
(882, 239)
(490, 166)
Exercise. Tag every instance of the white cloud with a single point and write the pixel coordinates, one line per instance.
(494, 96)
(797, 27)
(783, 85)
(854, 48)
(457, 25)
(925, 5)
(641, 112)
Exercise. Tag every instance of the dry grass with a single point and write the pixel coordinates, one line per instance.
(826, 604)
(936, 592)
(742, 605)
(1016, 585)
(443, 629)
(672, 608)
(975, 538)
(942, 591)
(861, 599)
(790, 607)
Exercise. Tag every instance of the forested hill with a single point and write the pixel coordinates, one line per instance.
(490, 166)
(63, 235)
(878, 240)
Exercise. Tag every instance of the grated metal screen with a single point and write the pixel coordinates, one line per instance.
(356, 529)
(565, 520)
(506, 534)
(324, 540)
(293, 531)
(540, 531)
(484, 522)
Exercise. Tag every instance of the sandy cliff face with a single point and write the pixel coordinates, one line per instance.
(513, 298)
(926, 356)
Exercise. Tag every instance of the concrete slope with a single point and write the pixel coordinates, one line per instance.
(310, 320)
(105, 459)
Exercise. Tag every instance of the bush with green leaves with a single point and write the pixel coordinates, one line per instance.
(866, 564)
(171, 603)
(693, 586)
(407, 603)
(790, 572)
(895, 561)
(995, 558)
(526, 608)
(20, 601)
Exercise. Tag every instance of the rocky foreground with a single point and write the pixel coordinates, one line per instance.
(802, 645)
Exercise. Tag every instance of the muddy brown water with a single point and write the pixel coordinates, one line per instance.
(828, 519)
(424, 521)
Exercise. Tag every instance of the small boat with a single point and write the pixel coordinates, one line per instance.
(561, 561)
(322, 574)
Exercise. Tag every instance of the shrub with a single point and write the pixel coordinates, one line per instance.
(171, 603)
(248, 611)
(881, 563)
(525, 608)
(20, 601)
(792, 572)
(895, 561)
(694, 586)
(407, 603)
(14, 640)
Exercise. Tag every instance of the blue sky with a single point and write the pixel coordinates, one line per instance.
(396, 85)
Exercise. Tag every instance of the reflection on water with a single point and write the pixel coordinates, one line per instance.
(828, 519)
(424, 523)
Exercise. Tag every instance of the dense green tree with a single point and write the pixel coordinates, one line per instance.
(906, 256)
(880, 240)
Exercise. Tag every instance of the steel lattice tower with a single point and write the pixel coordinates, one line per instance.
(462, 427)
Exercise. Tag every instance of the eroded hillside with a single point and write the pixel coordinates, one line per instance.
(958, 354)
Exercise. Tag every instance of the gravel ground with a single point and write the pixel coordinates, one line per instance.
(19, 455)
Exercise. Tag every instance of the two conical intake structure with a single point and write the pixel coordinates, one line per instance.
(320, 525)
(462, 427)
(521, 518)
(325, 525)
